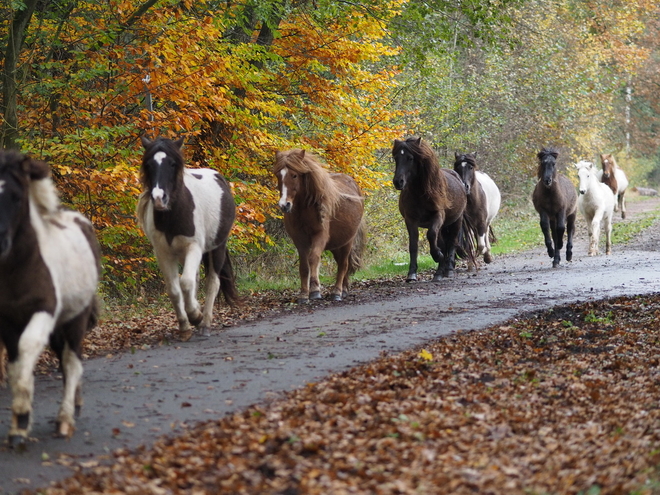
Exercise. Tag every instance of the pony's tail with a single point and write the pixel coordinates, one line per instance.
(357, 250)
(491, 235)
(228, 283)
(466, 245)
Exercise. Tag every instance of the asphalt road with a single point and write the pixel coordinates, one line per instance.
(132, 399)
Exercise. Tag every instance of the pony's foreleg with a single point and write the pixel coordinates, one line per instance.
(303, 270)
(558, 230)
(72, 370)
(433, 236)
(545, 228)
(594, 233)
(170, 268)
(21, 376)
(413, 244)
(570, 231)
(318, 244)
(189, 283)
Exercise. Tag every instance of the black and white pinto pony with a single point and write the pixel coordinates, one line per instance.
(483, 201)
(49, 273)
(555, 200)
(187, 215)
(596, 203)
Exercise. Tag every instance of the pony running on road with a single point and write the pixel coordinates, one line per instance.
(49, 272)
(322, 212)
(596, 202)
(555, 200)
(187, 215)
(431, 198)
(616, 179)
(483, 200)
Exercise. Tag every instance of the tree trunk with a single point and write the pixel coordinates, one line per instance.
(17, 30)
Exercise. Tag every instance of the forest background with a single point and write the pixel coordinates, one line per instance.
(82, 80)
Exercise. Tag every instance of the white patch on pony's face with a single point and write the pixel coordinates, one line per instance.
(402, 152)
(282, 201)
(157, 193)
(463, 164)
(159, 157)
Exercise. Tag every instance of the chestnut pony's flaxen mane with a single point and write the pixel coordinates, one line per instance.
(319, 188)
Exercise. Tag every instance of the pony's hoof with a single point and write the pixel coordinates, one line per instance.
(488, 258)
(623, 214)
(551, 253)
(335, 297)
(437, 279)
(303, 300)
(185, 335)
(315, 295)
(195, 319)
(17, 442)
(555, 264)
(65, 429)
(205, 331)
(412, 278)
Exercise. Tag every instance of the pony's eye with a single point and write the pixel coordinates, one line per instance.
(294, 176)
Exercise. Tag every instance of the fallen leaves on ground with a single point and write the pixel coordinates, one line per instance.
(564, 401)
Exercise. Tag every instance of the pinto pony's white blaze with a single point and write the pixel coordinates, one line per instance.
(187, 215)
(49, 272)
(596, 203)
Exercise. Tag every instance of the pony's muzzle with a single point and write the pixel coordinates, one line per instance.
(583, 191)
(467, 189)
(161, 203)
(398, 183)
(286, 207)
(547, 182)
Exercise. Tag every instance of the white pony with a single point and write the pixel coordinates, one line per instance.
(596, 202)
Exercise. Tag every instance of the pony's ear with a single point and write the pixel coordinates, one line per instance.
(179, 143)
(36, 169)
(278, 155)
(146, 142)
(418, 141)
(397, 142)
(301, 154)
(474, 154)
(456, 155)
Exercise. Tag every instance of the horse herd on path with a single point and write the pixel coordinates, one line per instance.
(50, 258)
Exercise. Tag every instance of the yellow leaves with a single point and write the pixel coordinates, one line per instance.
(425, 355)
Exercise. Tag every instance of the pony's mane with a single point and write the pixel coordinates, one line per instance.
(544, 156)
(319, 188)
(171, 149)
(431, 177)
(36, 175)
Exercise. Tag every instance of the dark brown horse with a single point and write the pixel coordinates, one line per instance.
(555, 200)
(431, 198)
(616, 178)
(322, 212)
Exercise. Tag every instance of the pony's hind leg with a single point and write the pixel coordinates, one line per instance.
(341, 256)
(622, 204)
(213, 262)
(413, 246)
(20, 372)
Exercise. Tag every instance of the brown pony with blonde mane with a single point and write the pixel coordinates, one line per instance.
(433, 198)
(323, 211)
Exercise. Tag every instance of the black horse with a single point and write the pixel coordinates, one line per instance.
(432, 198)
(555, 199)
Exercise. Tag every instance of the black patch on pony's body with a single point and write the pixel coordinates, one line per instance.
(178, 220)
